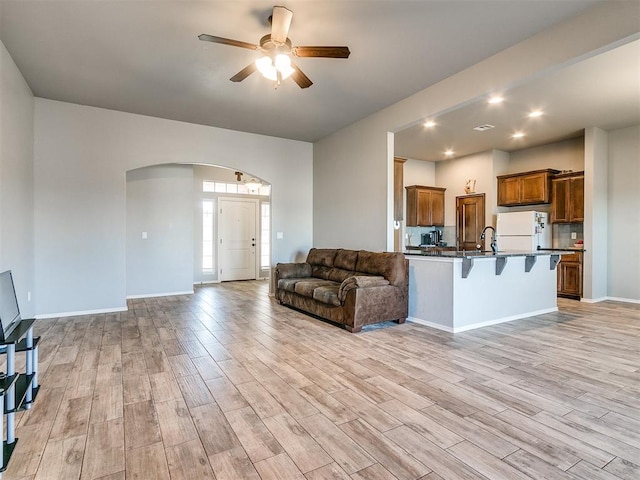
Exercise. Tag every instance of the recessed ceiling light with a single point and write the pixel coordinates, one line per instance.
(518, 135)
(495, 100)
(449, 152)
(536, 113)
(429, 124)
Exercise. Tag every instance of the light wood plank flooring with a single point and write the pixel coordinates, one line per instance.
(226, 384)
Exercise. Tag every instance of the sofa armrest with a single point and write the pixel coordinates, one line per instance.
(359, 281)
(293, 270)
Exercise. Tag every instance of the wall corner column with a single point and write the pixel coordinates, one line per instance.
(596, 160)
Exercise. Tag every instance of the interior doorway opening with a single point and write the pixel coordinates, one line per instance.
(232, 239)
(173, 232)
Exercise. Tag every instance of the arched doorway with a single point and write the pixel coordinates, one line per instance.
(173, 230)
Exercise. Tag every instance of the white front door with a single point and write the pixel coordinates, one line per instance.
(237, 224)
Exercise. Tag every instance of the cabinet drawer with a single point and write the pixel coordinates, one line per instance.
(572, 258)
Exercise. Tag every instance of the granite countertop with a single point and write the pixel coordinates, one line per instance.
(484, 253)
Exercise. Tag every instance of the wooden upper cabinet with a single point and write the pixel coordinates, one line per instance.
(527, 188)
(398, 182)
(425, 206)
(577, 198)
(509, 191)
(567, 198)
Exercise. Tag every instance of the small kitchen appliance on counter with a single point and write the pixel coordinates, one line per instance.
(524, 231)
(431, 239)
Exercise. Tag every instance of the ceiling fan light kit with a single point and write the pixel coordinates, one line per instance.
(277, 69)
(276, 64)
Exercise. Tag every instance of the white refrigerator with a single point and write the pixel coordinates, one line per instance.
(523, 231)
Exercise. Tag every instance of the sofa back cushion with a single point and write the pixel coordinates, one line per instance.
(321, 257)
(391, 266)
(320, 271)
(339, 275)
(346, 259)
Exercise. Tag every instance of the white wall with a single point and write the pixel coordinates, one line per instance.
(160, 203)
(419, 172)
(624, 213)
(353, 199)
(563, 155)
(350, 189)
(82, 155)
(453, 175)
(16, 181)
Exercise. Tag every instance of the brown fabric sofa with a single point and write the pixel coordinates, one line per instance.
(349, 287)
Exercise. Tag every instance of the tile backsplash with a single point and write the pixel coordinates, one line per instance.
(413, 235)
(562, 234)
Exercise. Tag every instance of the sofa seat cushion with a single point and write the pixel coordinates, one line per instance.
(306, 286)
(327, 294)
(289, 284)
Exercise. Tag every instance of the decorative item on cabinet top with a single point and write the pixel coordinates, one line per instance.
(470, 186)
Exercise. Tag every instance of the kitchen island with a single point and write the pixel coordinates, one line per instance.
(462, 290)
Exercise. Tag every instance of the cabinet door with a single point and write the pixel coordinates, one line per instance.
(576, 199)
(533, 188)
(508, 191)
(424, 208)
(571, 278)
(437, 209)
(560, 201)
(398, 191)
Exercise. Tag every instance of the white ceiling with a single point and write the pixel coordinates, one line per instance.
(602, 91)
(144, 56)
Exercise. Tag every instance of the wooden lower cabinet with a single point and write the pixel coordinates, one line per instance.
(570, 276)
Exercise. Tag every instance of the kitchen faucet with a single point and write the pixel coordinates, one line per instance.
(494, 242)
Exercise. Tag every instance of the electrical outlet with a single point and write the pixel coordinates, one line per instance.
(144, 235)
(574, 235)
(28, 296)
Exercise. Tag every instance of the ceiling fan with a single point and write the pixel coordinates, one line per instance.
(276, 47)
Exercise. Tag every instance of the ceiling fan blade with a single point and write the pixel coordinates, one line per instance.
(244, 73)
(280, 23)
(227, 41)
(300, 78)
(326, 52)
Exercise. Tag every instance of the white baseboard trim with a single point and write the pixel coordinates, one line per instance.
(481, 324)
(594, 300)
(166, 294)
(81, 312)
(426, 323)
(209, 282)
(625, 300)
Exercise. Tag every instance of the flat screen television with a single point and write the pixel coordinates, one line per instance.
(9, 311)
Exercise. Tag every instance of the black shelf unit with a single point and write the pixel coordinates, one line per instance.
(18, 390)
